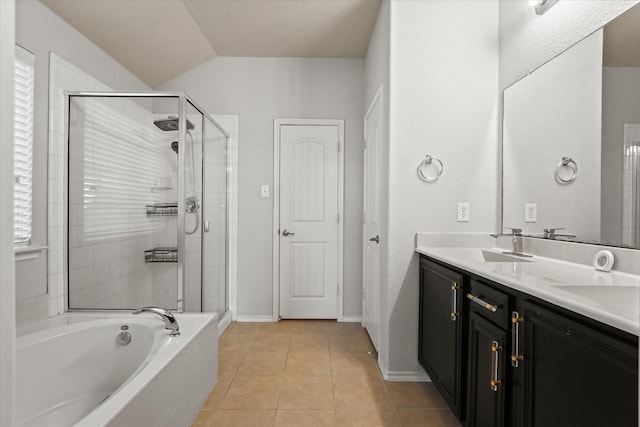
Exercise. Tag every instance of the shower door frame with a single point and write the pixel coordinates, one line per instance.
(182, 98)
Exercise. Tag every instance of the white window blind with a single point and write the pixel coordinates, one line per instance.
(119, 162)
(23, 147)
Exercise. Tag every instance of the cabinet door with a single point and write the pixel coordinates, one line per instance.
(575, 375)
(487, 382)
(441, 330)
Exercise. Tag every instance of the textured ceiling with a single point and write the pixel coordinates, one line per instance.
(158, 40)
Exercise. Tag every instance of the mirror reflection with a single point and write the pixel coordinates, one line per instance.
(571, 141)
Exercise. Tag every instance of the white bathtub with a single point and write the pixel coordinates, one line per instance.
(75, 373)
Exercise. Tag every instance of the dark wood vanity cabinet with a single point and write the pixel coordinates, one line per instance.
(576, 375)
(511, 359)
(441, 330)
(486, 385)
(488, 347)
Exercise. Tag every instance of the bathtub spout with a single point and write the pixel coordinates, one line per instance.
(170, 322)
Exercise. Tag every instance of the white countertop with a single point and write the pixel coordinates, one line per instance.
(612, 298)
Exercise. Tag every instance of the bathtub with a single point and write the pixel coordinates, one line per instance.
(72, 370)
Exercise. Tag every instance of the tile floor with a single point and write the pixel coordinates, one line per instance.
(311, 373)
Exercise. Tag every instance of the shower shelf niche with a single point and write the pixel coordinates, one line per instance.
(163, 209)
(161, 255)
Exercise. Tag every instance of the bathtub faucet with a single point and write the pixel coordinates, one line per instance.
(170, 322)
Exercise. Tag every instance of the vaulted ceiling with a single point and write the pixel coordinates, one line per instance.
(158, 40)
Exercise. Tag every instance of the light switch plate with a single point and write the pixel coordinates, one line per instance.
(265, 191)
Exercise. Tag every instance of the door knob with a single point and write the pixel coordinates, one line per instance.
(375, 239)
(287, 233)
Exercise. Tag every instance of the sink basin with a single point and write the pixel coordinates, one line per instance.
(477, 255)
(489, 256)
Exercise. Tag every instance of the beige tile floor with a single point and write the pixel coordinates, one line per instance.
(313, 373)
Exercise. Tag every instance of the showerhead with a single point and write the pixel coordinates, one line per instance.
(174, 146)
(170, 124)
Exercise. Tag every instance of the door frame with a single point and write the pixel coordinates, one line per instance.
(276, 207)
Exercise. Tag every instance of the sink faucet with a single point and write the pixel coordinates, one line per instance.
(516, 241)
(550, 233)
(170, 322)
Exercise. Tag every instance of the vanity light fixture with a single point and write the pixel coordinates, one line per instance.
(542, 6)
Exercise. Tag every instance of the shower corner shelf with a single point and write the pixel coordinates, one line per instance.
(161, 255)
(162, 209)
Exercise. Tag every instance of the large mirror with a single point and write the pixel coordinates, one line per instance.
(571, 141)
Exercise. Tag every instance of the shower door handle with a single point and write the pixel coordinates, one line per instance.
(206, 226)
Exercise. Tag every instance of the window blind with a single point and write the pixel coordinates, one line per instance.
(23, 146)
(119, 162)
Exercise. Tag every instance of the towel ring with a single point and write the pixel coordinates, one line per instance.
(430, 161)
(567, 163)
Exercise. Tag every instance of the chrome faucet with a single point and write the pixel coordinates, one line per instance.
(550, 233)
(516, 241)
(170, 322)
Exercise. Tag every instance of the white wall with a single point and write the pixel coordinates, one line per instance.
(444, 87)
(41, 31)
(260, 90)
(7, 279)
(620, 105)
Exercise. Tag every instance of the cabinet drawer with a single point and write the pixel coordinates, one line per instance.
(490, 303)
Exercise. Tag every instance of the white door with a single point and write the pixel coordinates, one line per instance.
(309, 221)
(371, 220)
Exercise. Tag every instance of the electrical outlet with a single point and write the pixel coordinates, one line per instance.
(530, 212)
(463, 212)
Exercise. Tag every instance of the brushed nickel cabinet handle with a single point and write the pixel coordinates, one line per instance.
(495, 348)
(515, 348)
(454, 301)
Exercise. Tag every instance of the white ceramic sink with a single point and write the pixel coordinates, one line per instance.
(490, 256)
(480, 255)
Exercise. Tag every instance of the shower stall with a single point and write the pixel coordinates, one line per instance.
(147, 203)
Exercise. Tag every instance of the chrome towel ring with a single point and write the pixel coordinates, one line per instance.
(571, 171)
(430, 162)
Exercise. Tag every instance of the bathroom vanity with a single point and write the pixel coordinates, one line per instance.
(512, 341)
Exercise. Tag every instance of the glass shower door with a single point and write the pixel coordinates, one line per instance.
(192, 207)
(121, 204)
(214, 280)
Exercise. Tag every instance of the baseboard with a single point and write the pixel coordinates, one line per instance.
(254, 319)
(223, 322)
(402, 376)
(352, 319)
